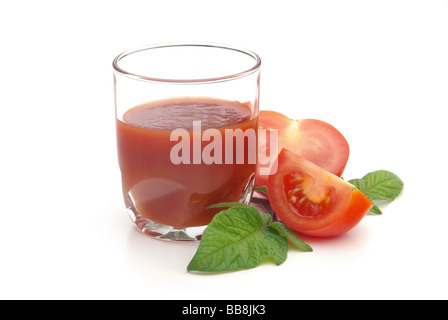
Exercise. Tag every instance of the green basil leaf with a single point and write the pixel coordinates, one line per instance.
(284, 230)
(237, 239)
(227, 205)
(276, 245)
(379, 185)
(375, 210)
(262, 189)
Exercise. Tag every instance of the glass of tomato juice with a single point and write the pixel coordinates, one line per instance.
(186, 124)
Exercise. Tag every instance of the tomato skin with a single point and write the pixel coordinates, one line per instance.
(349, 205)
(315, 140)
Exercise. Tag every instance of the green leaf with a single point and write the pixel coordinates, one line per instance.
(375, 210)
(237, 239)
(227, 205)
(277, 246)
(291, 236)
(262, 189)
(379, 185)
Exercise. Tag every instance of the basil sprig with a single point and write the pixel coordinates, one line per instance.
(380, 187)
(240, 238)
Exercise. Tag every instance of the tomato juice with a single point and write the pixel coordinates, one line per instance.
(177, 194)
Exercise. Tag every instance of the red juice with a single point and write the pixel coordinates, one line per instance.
(178, 194)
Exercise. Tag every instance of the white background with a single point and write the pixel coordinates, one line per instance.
(377, 70)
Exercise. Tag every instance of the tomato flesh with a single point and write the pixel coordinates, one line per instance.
(315, 140)
(313, 201)
(307, 197)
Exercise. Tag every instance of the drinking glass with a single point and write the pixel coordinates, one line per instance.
(186, 119)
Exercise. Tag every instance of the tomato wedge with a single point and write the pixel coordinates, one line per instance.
(313, 201)
(315, 140)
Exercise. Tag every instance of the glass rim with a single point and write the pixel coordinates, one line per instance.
(232, 76)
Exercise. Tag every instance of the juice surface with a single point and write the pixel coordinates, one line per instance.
(177, 195)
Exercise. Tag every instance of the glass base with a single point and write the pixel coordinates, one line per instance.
(163, 231)
(169, 233)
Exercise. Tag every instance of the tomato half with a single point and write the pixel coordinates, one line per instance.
(315, 140)
(313, 201)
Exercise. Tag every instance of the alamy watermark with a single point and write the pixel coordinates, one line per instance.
(189, 147)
